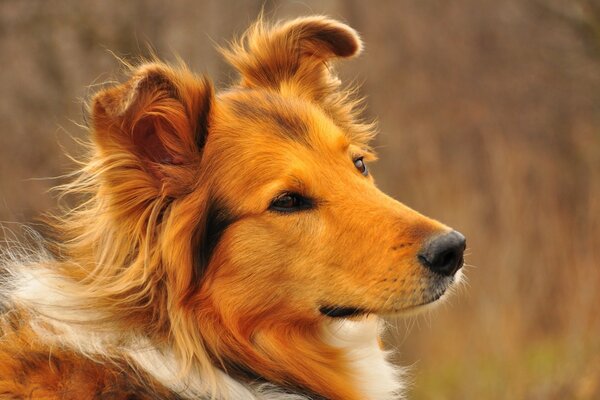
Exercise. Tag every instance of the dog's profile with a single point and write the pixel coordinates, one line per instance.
(229, 246)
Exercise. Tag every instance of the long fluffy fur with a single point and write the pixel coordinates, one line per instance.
(171, 280)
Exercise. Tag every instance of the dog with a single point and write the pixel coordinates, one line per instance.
(228, 246)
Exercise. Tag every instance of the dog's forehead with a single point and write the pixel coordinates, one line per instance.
(272, 115)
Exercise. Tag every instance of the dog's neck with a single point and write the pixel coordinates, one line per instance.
(367, 370)
(373, 376)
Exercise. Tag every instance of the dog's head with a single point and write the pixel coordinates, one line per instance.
(266, 219)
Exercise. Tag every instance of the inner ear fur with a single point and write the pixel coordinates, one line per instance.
(159, 118)
(293, 54)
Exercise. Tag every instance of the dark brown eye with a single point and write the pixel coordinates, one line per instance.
(360, 165)
(290, 202)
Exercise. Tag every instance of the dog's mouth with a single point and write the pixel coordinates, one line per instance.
(342, 312)
(349, 312)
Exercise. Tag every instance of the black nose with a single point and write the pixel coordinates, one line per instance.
(444, 253)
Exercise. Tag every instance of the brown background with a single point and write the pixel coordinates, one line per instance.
(489, 115)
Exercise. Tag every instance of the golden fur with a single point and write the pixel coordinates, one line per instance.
(178, 242)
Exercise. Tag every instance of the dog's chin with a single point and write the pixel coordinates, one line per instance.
(436, 294)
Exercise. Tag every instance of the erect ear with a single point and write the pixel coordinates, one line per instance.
(156, 124)
(293, 54)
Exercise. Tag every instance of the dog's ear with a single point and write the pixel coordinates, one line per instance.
(293, 55)
(154, 126)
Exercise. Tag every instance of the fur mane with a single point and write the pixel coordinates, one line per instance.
(113, 250)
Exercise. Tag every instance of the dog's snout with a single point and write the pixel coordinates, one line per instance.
(444, 253)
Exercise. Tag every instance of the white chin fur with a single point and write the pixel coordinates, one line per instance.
(374, 375)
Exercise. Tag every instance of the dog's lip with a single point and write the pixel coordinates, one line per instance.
(414, 307)
(342, 311)
(352, 311)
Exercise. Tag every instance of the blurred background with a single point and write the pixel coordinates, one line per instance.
(489, 117)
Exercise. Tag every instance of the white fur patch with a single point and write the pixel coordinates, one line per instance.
(163, 366)
(375, 377)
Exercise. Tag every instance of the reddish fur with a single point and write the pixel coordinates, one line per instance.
(166, 150)
(31, 369)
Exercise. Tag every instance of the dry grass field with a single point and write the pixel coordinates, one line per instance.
(489, 119)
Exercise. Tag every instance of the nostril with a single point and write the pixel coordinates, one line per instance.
(444, 254)
(448, 257)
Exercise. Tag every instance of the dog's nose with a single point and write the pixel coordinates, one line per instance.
(444, 254)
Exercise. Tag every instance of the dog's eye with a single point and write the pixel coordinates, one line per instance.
(290, 202)
(360, 165)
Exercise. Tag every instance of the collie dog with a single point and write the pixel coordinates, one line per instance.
(225, 246)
